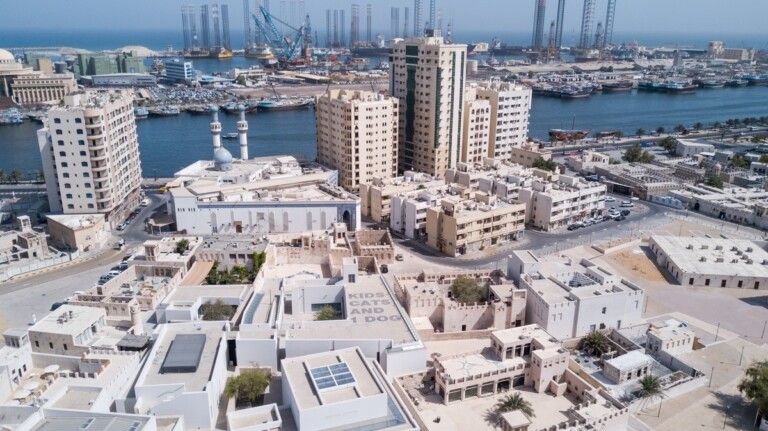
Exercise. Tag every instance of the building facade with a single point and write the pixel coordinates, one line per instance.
(428, 77)
(90, 152)
(459, 226)
(357, 134)
(40, 89)
(477, 128)
(510, 111)
(176, 70)
(553, 205)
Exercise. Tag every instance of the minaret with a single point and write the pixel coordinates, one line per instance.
(215, 128)
(242, 133)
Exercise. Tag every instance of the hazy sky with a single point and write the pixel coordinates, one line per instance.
(643, 16)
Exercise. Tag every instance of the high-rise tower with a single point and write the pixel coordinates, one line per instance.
(394, 24)
(247, 23)
(417, 31)
(328, 33)
(609, 14)
(587, 20)
(428, 74)
(225, 27)
(538, 25)
(205, 27)
(559, 23)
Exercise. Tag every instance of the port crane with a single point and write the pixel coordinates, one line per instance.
(290, 49)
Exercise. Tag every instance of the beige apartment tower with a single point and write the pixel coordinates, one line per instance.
(428, 77)
(90, 153)
(357, 134)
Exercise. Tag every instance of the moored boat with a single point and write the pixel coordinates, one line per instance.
(567, 135)
(711, 83)
(163, 111)
(199, 110)
(736, 82)
(140, 112)
(755, 79)
(617, 86)
(11, 116)
(232, 135)
(283, 104)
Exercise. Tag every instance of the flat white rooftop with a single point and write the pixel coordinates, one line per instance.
(630, 360)
(714, 256)
(80, 320)
(299, 372)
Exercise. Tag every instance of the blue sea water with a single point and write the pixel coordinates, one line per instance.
(170, 143)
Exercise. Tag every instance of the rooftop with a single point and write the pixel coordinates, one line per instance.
(715, 256)
(630, 360)
(77, 221)
(193, 380)
(303, 376)
(63, 322)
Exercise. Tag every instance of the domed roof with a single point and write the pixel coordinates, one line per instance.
(222, 156)
(6, 57)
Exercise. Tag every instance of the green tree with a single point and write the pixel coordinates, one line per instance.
(40, 176)
(466, 290)
(181, 245)
(650, 389)
(714, 181)
(258, 261)
(548, 165)
(326, 312)
(764, 158)
(640, 131)
(249, 386)
(239, 273)
(647, 157)
(15, 176)
(514, 402)
(240, 80)
(214, 276)
(679, 128)
(754, 386)
(757, 139)
(216, 310)
(739, 162)
(717, 125)
(2, 176)
(659, 130)
(633, 153)
(669, 143)
(613, 161)
(595, 343)
(698, 125)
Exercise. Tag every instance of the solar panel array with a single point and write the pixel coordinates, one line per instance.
(332, 376)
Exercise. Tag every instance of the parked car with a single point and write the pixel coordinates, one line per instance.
(56, 305)
(574, 226)
(137, 211)
(144, 202)
(127, 257)
(625, 212)
(384, 269)
(399, 257)
(120, 244)
(121, 226)
(610, 199)
(627, 204)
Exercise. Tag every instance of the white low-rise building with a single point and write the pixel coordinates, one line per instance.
(570, 199)
(571, 299)
(712, 262)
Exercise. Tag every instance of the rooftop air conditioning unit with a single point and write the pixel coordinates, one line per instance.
(704, 246)
(702, 259)
(749, 250)
(718, 247)
(689, 247)
(720, 260)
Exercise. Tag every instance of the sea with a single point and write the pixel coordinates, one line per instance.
(169, 143)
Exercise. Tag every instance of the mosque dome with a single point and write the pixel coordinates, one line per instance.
(222, 159)
(6, 57)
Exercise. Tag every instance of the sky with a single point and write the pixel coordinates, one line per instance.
(645, 16)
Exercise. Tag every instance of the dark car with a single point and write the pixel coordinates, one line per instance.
(137, 211)
(56, 305)
(620, 218)
(574, 227)
(384, 269)
(625, 212)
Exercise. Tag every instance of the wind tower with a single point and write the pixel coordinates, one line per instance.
(539, 13)
(609, 14)
(587, 20)
(559, 29)
(242, 133)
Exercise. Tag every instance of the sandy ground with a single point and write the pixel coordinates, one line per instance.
(635, 262)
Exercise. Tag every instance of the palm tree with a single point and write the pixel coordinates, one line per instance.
(659, 130)
(2, 176)
(640, 132)
(514, 402)
(650, 389)
(698, 126)
(15, 176)
(595, 344)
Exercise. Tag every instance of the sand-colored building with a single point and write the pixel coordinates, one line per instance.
(550, 205)
(77, 232)
(36, 89)
(357, 135)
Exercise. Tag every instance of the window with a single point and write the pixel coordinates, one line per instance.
(66, 175)
(89, 195)
(59, 132)
(65, 346)
(78, 120)
(740, 283)
(57, 120)
(87, 185)
(706, 282)
(62, 153)
(722, 283)
(63, 164)
(90, 205)
(86, 174)
(690, 280)
(84, 164)
(79, 131)
(67, 185)
(71, 206)
(69, 195)
(60, 142)
(50, 344)
(604, 309)
(37, 343)
(80, 142)
(82, 153)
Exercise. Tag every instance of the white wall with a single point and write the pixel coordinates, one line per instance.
(399, 361)
(256, 352)
(342, 413)
(303, 298)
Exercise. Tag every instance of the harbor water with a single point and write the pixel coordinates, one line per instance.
(170, 143)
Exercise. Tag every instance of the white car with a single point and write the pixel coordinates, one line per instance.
(121, 226)
(610, 199)
(145, 202)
